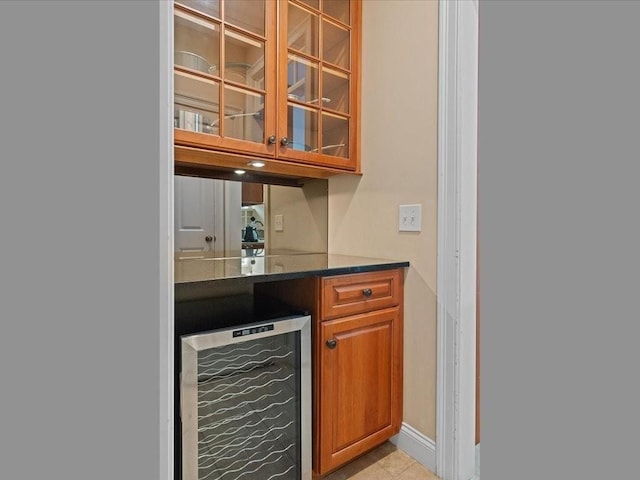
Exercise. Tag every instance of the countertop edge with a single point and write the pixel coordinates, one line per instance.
(327, 271)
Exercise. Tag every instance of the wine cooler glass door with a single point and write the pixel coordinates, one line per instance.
(245, 402)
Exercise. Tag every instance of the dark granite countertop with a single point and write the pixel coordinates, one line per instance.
(275, 266)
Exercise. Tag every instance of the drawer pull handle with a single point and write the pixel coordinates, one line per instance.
(367, 292)
(332, 343)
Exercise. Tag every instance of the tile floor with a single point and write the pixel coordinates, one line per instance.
(384, 463)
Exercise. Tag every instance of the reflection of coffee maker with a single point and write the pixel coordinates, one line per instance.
(251, 231)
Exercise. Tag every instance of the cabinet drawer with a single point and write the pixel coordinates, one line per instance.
(361, 292)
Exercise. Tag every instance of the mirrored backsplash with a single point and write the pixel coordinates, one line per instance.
(223, 218)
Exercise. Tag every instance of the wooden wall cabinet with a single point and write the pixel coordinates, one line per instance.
(252, 193)
(266, 80)
(357, 360)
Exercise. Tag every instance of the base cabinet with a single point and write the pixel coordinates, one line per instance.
(357, 360)
(360, 385)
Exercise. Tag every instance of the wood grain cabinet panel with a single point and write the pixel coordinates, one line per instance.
(252, 193)
(361, 292)
(361, 384)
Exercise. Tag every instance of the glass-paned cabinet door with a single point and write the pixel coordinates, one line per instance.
(319, 44)
(224, 82)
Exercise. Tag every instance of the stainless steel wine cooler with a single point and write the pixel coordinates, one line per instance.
(245, 402)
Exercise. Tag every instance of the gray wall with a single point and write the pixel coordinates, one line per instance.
(558, 170)
(80, 243)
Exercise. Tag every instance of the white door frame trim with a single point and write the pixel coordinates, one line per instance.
(166, 243)
(456, 277)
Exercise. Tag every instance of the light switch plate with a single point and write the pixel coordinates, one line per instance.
(279, 223)
(410, 219)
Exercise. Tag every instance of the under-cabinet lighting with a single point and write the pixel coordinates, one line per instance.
(240, 172)
(256, 163)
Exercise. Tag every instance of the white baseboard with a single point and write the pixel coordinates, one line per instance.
(416, 445)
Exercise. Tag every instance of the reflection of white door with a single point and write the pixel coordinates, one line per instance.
(194, 220)
(207, 216)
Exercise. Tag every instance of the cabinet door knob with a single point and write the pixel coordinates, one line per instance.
(208, 238)
(367, 292)
(284, 141)
(332, 343)
(272, 139)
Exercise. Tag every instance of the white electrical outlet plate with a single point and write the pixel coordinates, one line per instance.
(279, 223)
(410, 219)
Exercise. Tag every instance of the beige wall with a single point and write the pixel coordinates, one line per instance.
(399, 158)
(305, 212)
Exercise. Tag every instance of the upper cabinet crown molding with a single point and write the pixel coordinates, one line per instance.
(275, 81)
